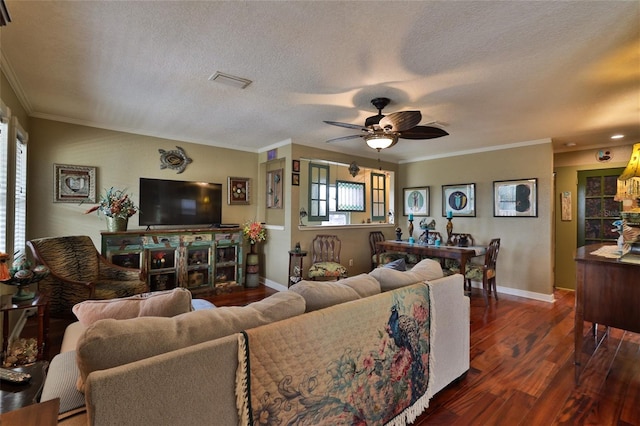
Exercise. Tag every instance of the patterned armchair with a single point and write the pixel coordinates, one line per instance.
(79, 273)
(325, 257)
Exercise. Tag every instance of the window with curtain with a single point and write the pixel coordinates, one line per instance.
(20, 208)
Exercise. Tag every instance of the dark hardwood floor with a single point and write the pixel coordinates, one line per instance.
(522, 370)
(521, 367)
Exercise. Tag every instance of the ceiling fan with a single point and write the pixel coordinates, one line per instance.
(380, 131)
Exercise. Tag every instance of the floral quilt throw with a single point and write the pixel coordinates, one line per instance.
(364, 362)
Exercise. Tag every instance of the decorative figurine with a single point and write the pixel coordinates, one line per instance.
(398, 234)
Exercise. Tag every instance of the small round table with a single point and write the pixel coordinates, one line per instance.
(296, 260)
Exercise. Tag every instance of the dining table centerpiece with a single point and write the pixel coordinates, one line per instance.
(117, 207)
(254, 232)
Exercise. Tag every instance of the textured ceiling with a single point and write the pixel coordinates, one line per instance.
(490, 73)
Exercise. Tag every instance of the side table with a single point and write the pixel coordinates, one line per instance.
(15, 396)
(296, 260)
(39, 301)
(44, 414)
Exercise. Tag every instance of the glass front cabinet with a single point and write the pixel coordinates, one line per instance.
(194, 259)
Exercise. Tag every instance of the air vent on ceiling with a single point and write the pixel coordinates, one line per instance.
(230, 80)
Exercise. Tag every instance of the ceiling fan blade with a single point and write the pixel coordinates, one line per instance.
(347, 125)
(423, 132)
(399, 121)
(344, 138)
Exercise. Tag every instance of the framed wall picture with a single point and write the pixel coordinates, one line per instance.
(515, 198)
(295, 166)
(238, 190)
(459, 200)
(74, 184)
(274, 189)
(416, 201)
(295, 179)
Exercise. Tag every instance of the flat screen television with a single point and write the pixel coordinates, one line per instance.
(178, 203)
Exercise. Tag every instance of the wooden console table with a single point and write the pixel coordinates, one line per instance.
(461, 254)
(607, 293)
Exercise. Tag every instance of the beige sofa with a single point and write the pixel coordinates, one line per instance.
(182, 369)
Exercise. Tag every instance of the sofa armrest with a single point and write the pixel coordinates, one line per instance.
(194, 385)
(450, 330)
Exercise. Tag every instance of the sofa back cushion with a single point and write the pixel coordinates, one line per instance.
(157, 304)
(108, 343)
(391, 279)
(322, 294)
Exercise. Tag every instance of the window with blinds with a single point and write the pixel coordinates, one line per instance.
(20, 207)
(4, 176)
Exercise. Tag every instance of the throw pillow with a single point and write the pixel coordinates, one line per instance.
(398, 265)
(157, 304)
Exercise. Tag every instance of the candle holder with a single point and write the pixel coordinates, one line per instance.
(449, 231)
(410, 228)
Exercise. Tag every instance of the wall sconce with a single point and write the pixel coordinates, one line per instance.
(629, 182)
(353, 169)
(303, 214)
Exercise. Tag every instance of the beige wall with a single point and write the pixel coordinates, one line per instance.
(355, 240)
(566, 167)
(525, 259)
(121, 159)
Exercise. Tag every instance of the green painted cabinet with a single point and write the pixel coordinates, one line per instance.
(197, 259)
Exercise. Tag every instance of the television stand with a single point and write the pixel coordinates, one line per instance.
(196, 259)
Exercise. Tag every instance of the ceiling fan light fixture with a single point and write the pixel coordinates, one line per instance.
(381, 141)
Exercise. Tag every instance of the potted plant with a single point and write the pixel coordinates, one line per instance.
(253, 232)
(117, 207)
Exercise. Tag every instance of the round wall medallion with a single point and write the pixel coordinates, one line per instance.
(604, 155)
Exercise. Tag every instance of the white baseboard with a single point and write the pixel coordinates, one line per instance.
(274, 285)
(520, 293)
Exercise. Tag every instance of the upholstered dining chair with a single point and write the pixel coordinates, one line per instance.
(325, 258)
(486, 272)
(78, 273)
(385, 256)
(457, 239)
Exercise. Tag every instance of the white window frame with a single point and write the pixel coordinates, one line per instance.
(20, 205)
(5, 115)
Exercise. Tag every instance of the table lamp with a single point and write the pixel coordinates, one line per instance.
(629, 183)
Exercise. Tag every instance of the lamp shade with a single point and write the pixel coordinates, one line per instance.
(629, 180)
(381, 141)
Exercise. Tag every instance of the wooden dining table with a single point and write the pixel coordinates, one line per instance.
(461, 254)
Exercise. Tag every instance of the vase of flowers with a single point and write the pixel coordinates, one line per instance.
(117, 207)
(253, 232)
